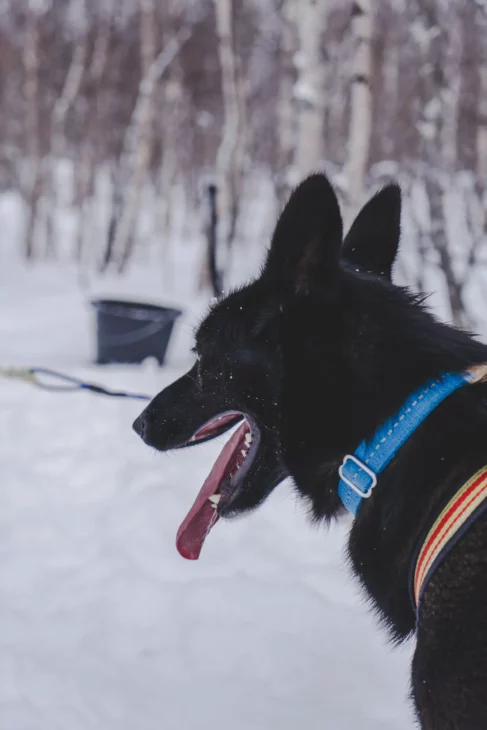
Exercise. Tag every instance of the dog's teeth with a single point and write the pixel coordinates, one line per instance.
(248, 439)
(215, 499)
(244, 452)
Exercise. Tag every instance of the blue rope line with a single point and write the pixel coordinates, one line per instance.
(65, 383)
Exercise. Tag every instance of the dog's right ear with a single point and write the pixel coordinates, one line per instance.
(373, 240)
(305, 247)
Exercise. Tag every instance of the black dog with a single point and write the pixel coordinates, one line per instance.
(310, 359)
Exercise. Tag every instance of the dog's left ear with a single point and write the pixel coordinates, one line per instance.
(373, 240)
(305, 248)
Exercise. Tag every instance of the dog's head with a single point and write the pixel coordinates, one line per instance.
(262, 350)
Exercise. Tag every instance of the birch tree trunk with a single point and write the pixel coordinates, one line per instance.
(137, 145)
(95, 73)
(32, 174)
(172, 108)
(478, 202)
(230, 152)
(481, 140)
(227, 172)
(450, 95)
(433, 126)
(172, 101)
(60, 111)
(309, 87)
(481, 149)
(361, 102)
(286, 122)
(142, 144)
(240, 152)
(482, 126)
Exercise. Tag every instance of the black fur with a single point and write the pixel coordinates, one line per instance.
(319, 350)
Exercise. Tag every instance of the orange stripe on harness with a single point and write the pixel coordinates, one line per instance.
(455, 515)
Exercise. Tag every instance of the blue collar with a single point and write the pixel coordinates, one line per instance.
(359, 471)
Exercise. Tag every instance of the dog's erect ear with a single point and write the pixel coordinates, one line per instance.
(373, 239)
(306, 244)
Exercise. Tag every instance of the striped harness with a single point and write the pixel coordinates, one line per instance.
(460, 512)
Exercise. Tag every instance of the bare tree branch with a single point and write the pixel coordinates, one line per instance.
(135, 151)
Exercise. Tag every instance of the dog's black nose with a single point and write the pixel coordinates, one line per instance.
(140, 426)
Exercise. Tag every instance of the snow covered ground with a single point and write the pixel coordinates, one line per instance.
(102, 625)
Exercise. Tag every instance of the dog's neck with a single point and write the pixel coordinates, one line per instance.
(337, 395)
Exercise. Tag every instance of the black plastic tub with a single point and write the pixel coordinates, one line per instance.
(129, 332)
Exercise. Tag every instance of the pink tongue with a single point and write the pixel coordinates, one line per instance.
(202, 516)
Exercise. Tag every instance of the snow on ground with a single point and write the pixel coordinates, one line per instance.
(102, 625)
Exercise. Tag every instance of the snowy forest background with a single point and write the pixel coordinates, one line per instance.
(116, 116)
